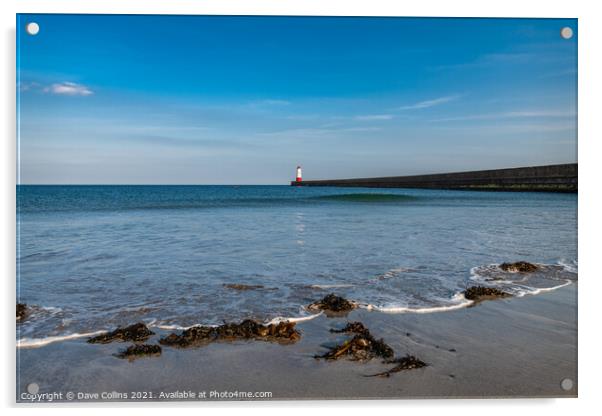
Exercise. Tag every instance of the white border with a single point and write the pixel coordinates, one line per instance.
(590, 71)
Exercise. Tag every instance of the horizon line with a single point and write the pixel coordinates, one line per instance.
(151, 184)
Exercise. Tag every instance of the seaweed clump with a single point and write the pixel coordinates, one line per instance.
(139, 350)
(478, 293)
(136, 333)
(352, 328)
(21, 311)
(518, 267)
(333, 303)
(409, 362)
(362, 347)
(247, 329)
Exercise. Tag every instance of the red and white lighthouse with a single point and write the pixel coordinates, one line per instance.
(298, 178)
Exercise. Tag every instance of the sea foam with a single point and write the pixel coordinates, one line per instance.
(40, 342)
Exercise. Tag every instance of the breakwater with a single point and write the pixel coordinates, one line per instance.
(549, 178)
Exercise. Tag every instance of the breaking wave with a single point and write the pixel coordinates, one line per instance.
(294, 319)
(40, 342)
(458, 301)
(546, 278)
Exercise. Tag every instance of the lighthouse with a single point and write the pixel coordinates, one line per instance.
(298, 178)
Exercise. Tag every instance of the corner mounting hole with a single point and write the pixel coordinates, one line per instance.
(566, 32)
(32, 28)
(566, 384)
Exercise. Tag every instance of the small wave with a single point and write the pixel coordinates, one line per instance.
(459, 302)
(51, 309)
(333, 286)
(547, 278)
(42, 255)
(366, 197)
(38, 313)
(97, 258)
(571, 266)
(392, 273)
(40, 342)
(295, 319)
(277, 320)
(537, 291)
(174, 327)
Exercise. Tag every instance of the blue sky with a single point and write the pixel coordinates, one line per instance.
(243, 100)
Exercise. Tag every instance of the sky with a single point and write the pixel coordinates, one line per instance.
(244, 100)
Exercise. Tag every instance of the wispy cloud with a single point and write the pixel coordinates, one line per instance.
(512, 128)
(303, 117)
(510, 114)
(300, 133)
(429, 103)
(269, 102)
(27, 86)
(68, 88)
(374, 117)
(491, 59)
(174, 141)
(317, 133)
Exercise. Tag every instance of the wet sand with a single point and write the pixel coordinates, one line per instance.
(518, 347)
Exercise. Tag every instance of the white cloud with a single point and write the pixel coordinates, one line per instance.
(68, 88)
(510, 114)
(374, 117)
(429, 103)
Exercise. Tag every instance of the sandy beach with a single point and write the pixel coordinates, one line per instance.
(517, 347)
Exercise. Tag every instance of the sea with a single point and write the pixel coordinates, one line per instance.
(92, 258)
